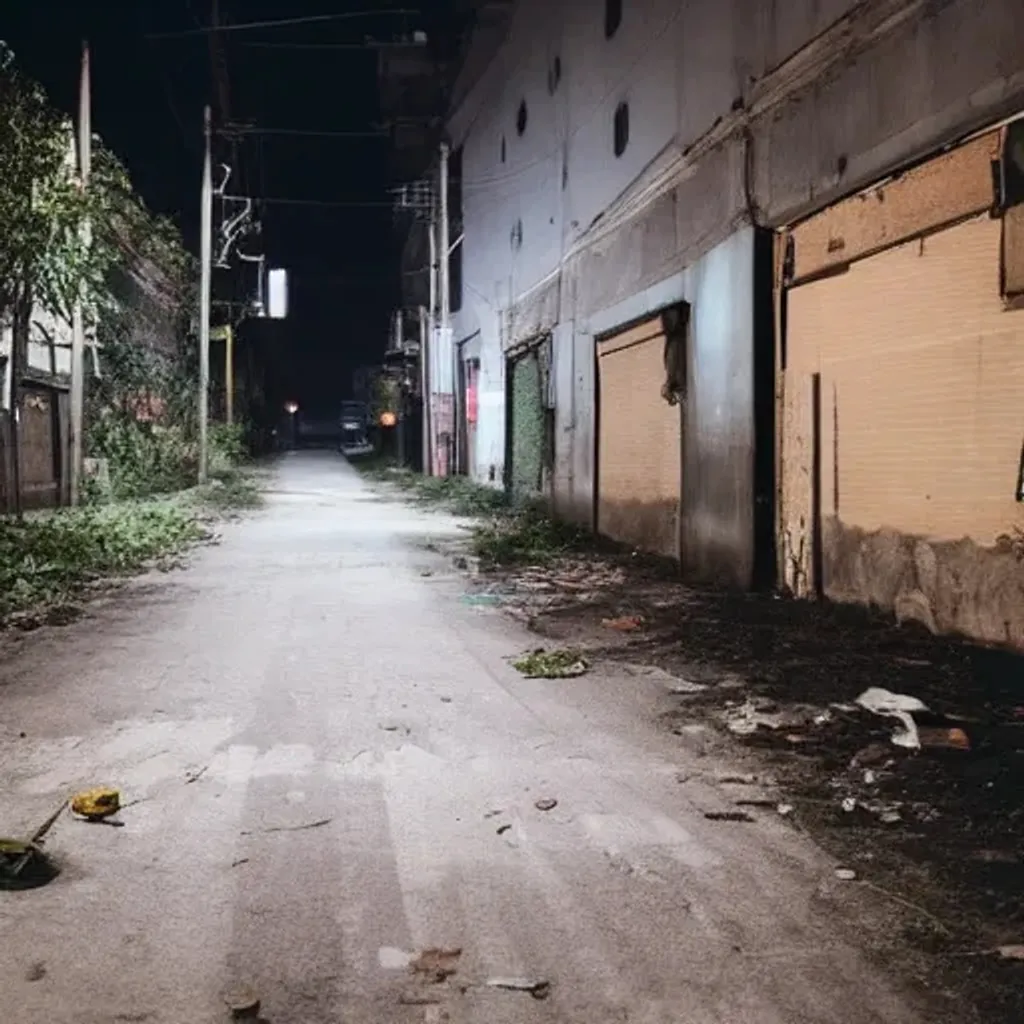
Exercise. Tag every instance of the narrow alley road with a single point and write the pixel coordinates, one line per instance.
(336, 768)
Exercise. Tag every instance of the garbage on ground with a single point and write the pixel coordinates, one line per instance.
(754, 714)
(436, 964)
(96, 804)
(546, 804)
(899, 706)
(943, 738)
(538, 989)
(543, 664)
(624, 624)
(846, 874)
(243, 1003)
(785, 810)
(1013, 951)
(23, 865)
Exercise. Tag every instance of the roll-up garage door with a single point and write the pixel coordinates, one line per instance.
(639, 476)
(902, 402)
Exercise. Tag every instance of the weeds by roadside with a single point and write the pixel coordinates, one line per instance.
(236, 490)
(506, 534)
(45, 561)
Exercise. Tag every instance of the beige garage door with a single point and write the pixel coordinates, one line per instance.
(918, 423)
(639, 480)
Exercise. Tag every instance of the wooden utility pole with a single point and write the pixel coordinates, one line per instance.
(77, 314)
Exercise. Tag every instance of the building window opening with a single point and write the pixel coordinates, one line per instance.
(621, 129)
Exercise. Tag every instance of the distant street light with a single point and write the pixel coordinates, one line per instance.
(291, 408)
(388, 419)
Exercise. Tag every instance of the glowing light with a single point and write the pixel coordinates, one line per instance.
(388, 419)
(291, 408)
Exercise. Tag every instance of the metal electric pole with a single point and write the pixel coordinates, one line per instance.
(206, 268)
(77, 314)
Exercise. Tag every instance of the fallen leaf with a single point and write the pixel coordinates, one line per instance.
(624, 624)
(438, 964)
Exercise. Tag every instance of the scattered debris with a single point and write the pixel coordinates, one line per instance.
(419, 998)
(624, 624)
(243, 1003)
(785, 810)
(36, 972)
(502, 829)
(728, 816)
(291, 828)
(546, 804)
(559, 664)
(1011, 952)
(686, 688)
(392, 959)
(898, 706)
(446, 700)
(747, 718)
(846, 874)
(23, 865)
(943, 738)
(482, 600)
(537, 989)
(195, 776)
(436, 964)
(849, 804)
(238, 863)
(96, 804)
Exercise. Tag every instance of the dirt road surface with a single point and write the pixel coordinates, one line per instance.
(337, 769)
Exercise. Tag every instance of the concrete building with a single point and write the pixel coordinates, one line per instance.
(738, 286)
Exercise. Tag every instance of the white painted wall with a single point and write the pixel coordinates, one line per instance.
(43, 356)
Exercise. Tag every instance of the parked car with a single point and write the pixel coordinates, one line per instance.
(355, 429)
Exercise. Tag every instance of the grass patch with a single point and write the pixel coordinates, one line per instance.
(235, 490)
(526, 537)
(559, 664)
(46, 560)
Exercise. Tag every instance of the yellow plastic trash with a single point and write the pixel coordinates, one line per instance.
(96, 804)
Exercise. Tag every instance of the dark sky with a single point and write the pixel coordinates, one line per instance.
(148, 96)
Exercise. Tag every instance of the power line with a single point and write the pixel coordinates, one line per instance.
(367, 204)
(368, 44)
(302, 133)
(309, 19)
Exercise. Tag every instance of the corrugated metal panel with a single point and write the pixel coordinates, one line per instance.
(527, 447)
(921, 367)
(639, 475)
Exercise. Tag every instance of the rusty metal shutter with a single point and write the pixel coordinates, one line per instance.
(639, 479)
(919, 365)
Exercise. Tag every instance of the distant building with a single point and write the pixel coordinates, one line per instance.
(748, 295)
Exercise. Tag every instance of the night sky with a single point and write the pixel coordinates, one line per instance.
(148, 96)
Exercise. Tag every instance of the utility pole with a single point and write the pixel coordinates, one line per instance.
(229, 373)
(206, 260)
(425, 380)
(430, 351)
(445, 347)
(77, 315)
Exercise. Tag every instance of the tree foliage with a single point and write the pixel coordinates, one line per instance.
(43, 252)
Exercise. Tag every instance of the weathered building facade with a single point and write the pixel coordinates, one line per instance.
(734, 354)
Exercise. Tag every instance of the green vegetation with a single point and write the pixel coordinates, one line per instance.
(45, 561)
(526, 537)
(559, 664)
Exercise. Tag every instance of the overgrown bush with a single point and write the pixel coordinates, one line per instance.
(526, 537)
(46, 560)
